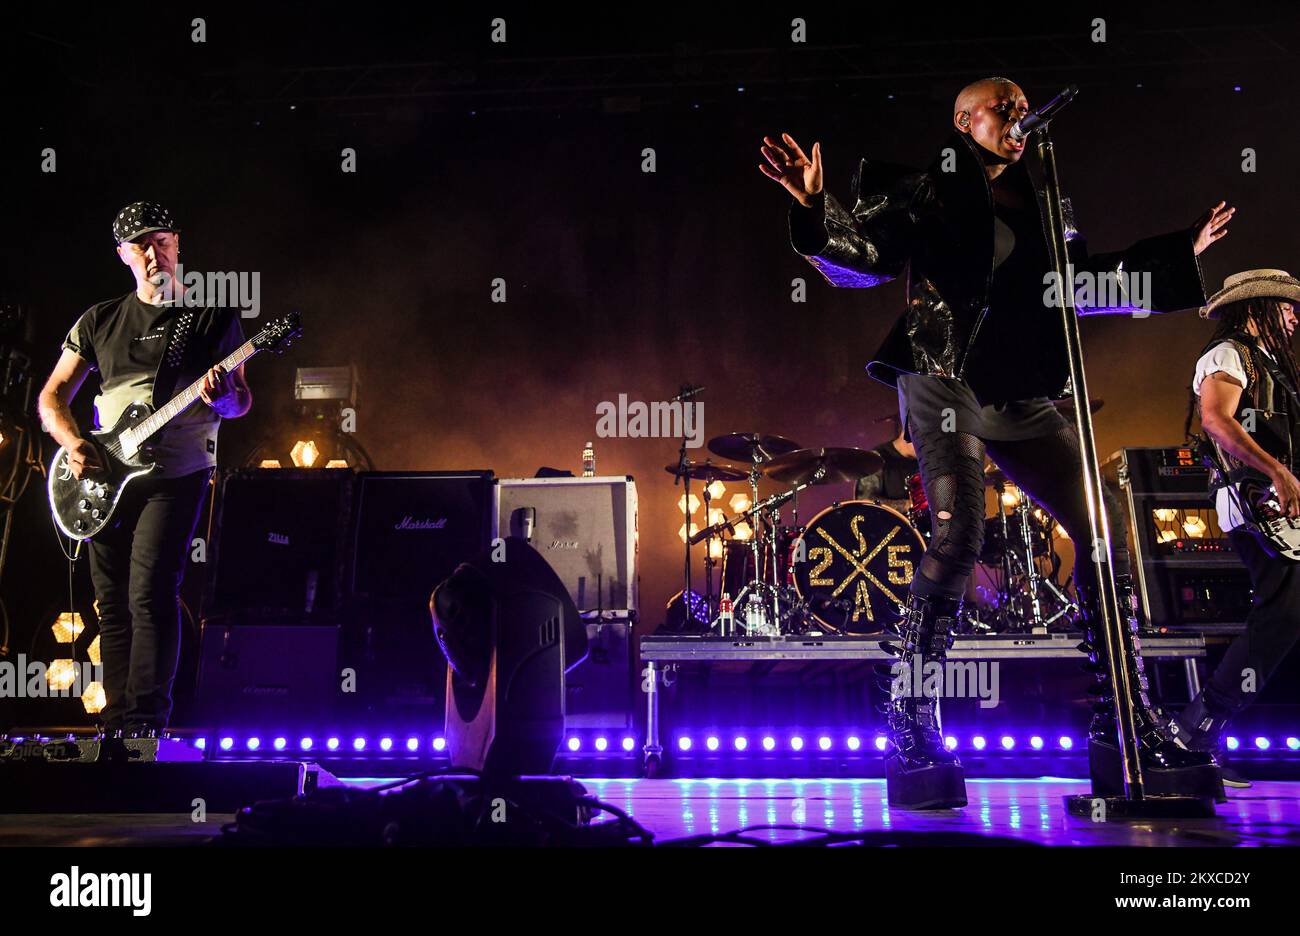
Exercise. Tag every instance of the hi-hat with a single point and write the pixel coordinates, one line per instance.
(706, 471)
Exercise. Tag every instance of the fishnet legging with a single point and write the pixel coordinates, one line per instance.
(1047, 468)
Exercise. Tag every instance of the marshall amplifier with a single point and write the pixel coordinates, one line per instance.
(280, 544)
(586, 528)
(414, 528)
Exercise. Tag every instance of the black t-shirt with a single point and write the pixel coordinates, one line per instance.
(123, 340)
(1026, 334)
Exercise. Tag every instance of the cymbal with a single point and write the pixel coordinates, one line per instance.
(837, 465)
(707, 471)
(742, 446)
(1066, 406)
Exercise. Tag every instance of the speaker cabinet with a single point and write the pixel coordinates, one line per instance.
(414, 528)
(267, 674)
(281, 543)
(586, 529)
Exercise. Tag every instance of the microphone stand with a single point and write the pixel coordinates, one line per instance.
(1135, 803)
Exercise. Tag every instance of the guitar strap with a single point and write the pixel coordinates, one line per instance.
(180, 328)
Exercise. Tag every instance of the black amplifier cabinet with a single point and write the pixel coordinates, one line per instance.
(1188, 575)
(280, 546)
(413, 528)
(601, 691)
(269, 674)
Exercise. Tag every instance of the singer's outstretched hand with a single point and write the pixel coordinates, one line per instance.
(798, 175)
(1211, 226)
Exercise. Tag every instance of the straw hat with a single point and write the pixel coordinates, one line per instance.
(1254, 284)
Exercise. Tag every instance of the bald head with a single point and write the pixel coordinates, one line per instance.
(986, 109)
(984, 89)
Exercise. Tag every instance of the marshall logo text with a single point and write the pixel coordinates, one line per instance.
(410, 523)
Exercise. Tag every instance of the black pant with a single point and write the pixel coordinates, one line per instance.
(1047, 468)
(137, 564)
(1272, 627)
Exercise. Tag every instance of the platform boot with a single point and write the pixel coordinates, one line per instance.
(920, 773)
(1168, 767)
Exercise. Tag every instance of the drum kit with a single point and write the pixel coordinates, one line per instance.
(848, 569)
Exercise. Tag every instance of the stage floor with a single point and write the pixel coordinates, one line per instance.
(1021, 811)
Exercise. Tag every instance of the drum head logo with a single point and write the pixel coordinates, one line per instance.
(861, 559)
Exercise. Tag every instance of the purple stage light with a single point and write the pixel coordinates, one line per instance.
(711, 742)
(1036, 743)
(201, 743)
(279, 744)
(741, 743)
(305, 744)
(1008, 742)
(1263, 743)
(854, 742)
(385, 744)
(439, 744)
(769, 743)
(253, 743)
(796, 743)
(1066, 742)
(629, 744)
(978, 742)
(358, 744)
(1233, 743)
(412, 744)
(683, 743)
(332, 744)
(824, 743)
(574, 744)
(881, 742)
(1293, 744)
(602, 743)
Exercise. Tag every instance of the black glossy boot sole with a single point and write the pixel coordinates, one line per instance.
(1107, 773)
(942, 786)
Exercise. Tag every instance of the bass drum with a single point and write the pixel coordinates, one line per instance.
(854, 564)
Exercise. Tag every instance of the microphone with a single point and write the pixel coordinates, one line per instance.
(1039, 118)
(687, 392)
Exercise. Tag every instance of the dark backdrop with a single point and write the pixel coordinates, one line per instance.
(523, 161)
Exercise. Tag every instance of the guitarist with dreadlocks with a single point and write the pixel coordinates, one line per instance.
(1246, 384)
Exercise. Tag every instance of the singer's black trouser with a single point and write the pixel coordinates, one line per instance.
(136, 565)
(1029, 440)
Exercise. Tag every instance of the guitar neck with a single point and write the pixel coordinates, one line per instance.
(186, 398)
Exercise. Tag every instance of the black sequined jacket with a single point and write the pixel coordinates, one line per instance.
(937, 228)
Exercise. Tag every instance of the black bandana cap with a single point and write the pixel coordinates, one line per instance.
(140, 218)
